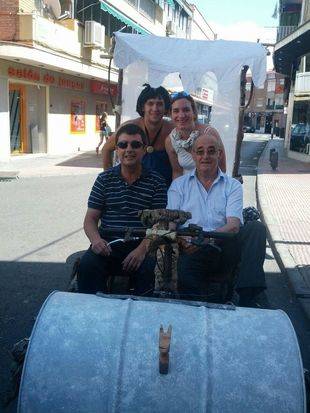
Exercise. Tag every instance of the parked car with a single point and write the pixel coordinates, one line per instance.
(248, 129)
(300, 137)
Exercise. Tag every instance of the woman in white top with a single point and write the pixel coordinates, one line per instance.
(179, 142)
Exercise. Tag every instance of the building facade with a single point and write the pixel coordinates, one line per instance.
(292, 58)
(54, 67)
(265, 113)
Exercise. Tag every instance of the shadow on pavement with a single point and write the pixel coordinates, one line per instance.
(84, 160)
(24, 288)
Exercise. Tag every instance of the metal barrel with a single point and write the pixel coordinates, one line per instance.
(94, 354)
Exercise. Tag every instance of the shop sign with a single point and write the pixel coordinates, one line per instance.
(77, 116)
(102, 88)
(47, 78)
(26, 74)
(279, 89)
(204, 94)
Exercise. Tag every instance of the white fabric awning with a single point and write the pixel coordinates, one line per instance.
(191, 58)
(200, 63)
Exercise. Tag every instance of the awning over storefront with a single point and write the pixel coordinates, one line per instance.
(120, 16)
(171, 3)
(288, 50)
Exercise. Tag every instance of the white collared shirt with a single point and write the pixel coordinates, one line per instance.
(210, 209)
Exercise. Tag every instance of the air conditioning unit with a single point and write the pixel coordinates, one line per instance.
(94, 34)
(170, 27)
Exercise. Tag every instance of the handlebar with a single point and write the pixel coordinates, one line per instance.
(132, 233)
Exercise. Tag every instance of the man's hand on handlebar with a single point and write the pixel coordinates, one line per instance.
(187, 245)
(134, 259)
(101, 247)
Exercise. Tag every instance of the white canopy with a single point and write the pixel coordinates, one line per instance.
(151, 59)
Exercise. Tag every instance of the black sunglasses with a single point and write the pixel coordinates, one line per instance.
(133, 144)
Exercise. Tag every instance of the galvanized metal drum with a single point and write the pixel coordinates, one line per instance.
(92, 354)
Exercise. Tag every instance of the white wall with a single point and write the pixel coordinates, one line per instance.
(60, 138)
(4, 120)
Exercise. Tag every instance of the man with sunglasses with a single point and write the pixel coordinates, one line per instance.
(152, 105)
(215, 201)
(116, 197)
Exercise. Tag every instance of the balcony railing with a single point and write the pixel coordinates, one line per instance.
(302, 83)
(284, 31)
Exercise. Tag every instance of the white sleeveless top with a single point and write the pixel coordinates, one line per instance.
(182, 148)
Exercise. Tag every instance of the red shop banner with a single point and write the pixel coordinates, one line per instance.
(102, 88)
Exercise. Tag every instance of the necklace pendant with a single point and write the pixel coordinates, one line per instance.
(149, 149)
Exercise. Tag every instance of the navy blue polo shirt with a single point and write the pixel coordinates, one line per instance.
(120, 201)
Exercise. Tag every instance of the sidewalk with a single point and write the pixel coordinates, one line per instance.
(48, 165)
(284, 199)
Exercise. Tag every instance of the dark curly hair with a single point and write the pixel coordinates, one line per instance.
(151, 93)
(131, 129)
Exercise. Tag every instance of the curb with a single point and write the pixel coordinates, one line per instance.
(281, 253)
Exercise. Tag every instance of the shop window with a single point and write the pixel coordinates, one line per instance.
(300, 133)
(271, 85)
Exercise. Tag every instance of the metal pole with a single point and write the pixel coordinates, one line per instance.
(235, 172)
(118, 107)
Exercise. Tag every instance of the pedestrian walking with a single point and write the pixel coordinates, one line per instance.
(105, 130)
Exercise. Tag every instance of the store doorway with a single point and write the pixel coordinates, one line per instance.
(18, 136)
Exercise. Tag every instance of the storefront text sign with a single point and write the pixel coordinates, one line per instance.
(47, 78)
(204, 93)
(102, 88)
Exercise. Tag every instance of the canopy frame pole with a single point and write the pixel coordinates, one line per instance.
(118, 106)
(235, 172)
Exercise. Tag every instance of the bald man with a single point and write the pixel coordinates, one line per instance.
(215, 201)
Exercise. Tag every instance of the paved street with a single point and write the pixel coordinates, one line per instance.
(278, 294)
(41, 223)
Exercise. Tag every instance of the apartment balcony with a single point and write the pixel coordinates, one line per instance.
(56, 46)
(291, 47)
(284, 31)
(302, 83)
(63, 37)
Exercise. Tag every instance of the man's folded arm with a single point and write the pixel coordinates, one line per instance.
(232, 225)
(234, 209)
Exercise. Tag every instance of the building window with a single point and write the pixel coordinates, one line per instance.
(271, 85)
(145, 7)
(307, 62)
(134, 3)
(300, 133)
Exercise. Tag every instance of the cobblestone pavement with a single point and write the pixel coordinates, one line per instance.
(284, 197)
